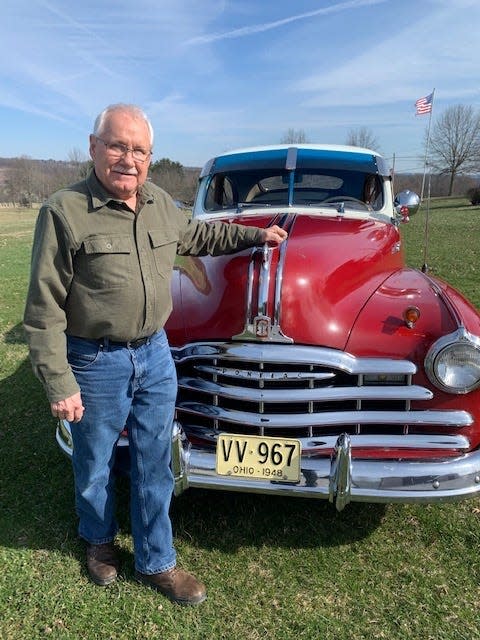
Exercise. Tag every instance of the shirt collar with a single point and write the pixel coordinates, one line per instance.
(101, 197)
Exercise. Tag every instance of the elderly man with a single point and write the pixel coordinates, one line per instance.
(98, 299)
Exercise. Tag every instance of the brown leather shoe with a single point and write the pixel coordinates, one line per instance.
(102, 563)
(178, 585)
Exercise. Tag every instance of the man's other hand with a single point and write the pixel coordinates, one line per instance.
(70, 409)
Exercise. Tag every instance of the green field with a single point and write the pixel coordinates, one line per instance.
(277, 568)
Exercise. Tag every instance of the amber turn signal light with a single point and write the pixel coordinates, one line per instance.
(411, 315)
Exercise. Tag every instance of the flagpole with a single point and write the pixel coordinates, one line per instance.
(393, 174)
(427, 219)
(426, 148)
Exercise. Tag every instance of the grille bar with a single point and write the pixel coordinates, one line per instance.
(441, 442)
(282, 396)
(290, 356)
(447, 419)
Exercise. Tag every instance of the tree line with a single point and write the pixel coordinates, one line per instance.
(452, 151)
(25, 181)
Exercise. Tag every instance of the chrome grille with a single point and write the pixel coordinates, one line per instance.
(302, 392)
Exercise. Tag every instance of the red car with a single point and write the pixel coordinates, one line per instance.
(324, 368)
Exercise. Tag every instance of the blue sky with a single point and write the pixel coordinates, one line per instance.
(221, 74)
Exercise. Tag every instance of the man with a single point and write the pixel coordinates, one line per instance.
(99, 296)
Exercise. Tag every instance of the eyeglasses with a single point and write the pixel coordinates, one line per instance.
(118, 150)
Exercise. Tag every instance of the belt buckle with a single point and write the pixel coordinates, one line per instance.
(134, 344)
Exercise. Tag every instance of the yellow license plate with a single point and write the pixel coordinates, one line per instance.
(258, 457)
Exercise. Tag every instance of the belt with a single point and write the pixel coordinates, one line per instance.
(106, 343)
(130, 344)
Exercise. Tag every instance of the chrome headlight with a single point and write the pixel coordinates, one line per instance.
(453, 362)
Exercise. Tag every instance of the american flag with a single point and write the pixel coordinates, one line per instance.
(424, 105)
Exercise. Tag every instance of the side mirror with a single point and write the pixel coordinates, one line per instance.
(406, 204)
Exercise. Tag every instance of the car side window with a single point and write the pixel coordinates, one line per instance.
(220, 193)
(372, 192)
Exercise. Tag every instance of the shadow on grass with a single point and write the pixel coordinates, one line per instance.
(16, 335)
(35, 478)
(225, 520)
(37, 501)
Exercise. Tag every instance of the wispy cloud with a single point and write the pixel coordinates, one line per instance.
(67, 19)
(341, 64)
(413, 60)
(275, 24)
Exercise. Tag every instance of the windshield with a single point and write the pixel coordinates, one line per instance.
(281, 187)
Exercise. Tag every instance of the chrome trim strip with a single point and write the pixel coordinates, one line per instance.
(446, 300)
(264, 281)
(248, 374)
(291, 159)
(291, 165)
(409, 392)
(279, 275)
(298, 354)
(454, 418)
(249, 300)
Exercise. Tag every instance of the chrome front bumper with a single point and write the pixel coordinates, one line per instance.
(338, 478)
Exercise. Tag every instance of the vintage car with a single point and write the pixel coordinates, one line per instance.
(324, 368)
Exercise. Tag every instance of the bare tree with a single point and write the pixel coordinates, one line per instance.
(80, 163)
(29, 181)
(362, 137)
(294, 136)
(455, 142)
(23, 181)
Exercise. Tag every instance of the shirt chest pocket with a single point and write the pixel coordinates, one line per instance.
(108, 260)
(163, 243)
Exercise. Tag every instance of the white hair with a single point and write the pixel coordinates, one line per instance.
(132, 109)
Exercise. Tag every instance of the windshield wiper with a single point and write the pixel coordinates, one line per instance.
(246, 205)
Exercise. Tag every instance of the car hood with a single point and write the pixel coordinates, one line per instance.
(314, 285)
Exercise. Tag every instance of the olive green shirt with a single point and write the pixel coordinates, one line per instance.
(101, 270)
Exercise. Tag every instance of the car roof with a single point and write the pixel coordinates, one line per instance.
(319, 147)
(301, 156)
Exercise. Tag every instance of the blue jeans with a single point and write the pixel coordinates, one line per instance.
(134, 388)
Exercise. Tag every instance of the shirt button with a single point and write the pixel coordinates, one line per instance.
(108, 245)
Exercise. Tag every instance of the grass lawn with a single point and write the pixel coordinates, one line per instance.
(274, 567)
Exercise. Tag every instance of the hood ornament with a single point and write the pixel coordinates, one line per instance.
(259, 326)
